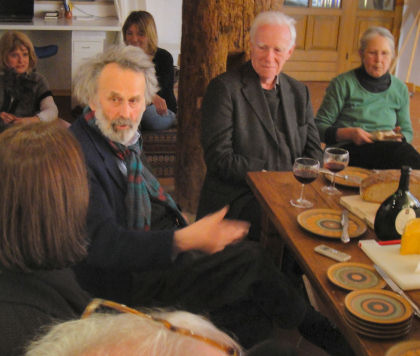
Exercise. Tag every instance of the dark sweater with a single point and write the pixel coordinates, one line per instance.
(29, 301)
(164, 66)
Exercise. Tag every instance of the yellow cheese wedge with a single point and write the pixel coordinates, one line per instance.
(410, 240)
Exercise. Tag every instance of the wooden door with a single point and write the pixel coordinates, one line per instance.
(328, 33)
(364, 17)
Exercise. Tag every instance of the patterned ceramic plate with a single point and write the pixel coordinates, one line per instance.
(353, 276)
(405, 348)
(326, 223)
(355, 176)
(378, 306)
(382, 328)
(376, 332)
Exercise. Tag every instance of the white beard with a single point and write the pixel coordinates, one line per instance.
(108, 129)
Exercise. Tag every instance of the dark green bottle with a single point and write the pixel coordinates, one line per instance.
(394, 213)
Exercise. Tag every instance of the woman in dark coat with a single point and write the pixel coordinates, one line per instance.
(44, 198)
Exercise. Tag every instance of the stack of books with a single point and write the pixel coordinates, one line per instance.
(50, 15)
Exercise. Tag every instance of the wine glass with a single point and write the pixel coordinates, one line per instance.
(335, 160)
(305, 170)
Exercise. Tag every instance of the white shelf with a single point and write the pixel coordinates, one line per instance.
(75, 24)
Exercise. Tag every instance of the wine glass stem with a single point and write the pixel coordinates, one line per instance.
(333, 180)
(301, 192)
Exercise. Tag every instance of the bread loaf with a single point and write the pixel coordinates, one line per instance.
(378, 186)
(386, 135)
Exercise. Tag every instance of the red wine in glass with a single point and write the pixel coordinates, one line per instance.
(335, 160)
(305, 170)
(335, 167)
(305, 176)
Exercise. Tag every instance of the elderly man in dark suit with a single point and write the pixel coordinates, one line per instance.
(255, 118)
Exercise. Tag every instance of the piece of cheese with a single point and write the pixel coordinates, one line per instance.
(380, 185)
(410, 240)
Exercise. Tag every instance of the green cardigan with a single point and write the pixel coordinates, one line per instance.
(348, 104)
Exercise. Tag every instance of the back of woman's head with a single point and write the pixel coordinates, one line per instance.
(44, 198)
(145, 24)
(12, 40)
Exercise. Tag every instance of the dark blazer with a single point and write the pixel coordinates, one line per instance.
(29, 301)
(238, 135)
(114, 251)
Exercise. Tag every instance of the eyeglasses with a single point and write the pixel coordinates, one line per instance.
(97, 303)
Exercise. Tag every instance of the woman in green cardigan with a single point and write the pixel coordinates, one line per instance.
(368, 99)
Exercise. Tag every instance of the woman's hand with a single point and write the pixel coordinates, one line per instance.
(12, 119)
(27, 120)
(7, 118)
(211, 233)
(160, 105)
(397, 130)
(355, 134)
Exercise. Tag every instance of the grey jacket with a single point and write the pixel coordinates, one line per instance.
(238, 135)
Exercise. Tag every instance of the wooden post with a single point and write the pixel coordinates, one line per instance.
(211, 31)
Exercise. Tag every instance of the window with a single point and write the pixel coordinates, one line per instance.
(387, 5)
(314, 3)
(296, 3)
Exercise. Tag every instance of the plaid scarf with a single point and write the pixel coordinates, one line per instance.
(141, 184)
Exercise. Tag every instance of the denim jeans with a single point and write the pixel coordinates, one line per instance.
(151, 120)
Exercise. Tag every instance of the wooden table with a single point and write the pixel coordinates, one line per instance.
(274, 191)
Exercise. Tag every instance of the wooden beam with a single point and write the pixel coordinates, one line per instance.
(211, 31)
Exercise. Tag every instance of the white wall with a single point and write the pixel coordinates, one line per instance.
(168, 18)
(411, 8)
(167, 14)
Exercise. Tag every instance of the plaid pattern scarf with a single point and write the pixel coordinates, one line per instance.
(141, 184)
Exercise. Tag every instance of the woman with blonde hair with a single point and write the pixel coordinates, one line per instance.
(139, 30)
(43, 205)
(24, 93)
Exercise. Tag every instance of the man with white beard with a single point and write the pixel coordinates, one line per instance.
(141, 251)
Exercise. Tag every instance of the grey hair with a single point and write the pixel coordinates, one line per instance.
(377, 31)
(127, 334)
(85, 83)
(274, 18)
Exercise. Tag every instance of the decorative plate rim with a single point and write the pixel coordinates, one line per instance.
(361, 226)
(346, 183)
(403, 346)
(408, 312)
(381, 282)
(379, 335)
